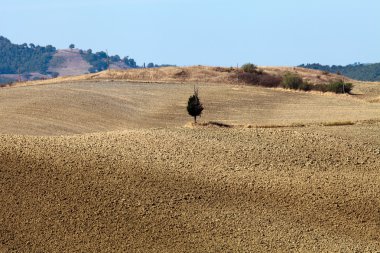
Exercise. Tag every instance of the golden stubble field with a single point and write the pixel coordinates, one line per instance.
(116, 167)
(94, 106)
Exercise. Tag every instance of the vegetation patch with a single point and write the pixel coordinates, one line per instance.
(24, 58)
(358, 71)
(221, 69)
(100, 60)
(182, 74)
(5, 81)
(251, 75)
(292, 81)
(249, 68)
(339, 87)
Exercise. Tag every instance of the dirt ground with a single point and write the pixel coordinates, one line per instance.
(98, 106)
(116, 167)
(69, 63)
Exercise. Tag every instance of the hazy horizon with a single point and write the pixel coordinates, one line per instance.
(203, 32)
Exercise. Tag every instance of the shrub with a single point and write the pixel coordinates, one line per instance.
(340, 87)
(336, 87)
(260, 71)
(305, 86)
(268, 80)
(250, 78)
(54, 74)
(264, 79)
(249, 68)
(292, 81)
(221, 69)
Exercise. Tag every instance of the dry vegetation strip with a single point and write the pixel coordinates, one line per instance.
(203, 74)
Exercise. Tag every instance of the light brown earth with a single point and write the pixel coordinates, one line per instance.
(115, 166)
(106, 105)
(68, 62)
(193, 74)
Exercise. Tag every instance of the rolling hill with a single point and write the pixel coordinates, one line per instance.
(192, 190)
(68, 62)
(108, 162)
(31, 62)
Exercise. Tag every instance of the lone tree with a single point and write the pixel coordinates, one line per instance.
(72, 46)
(194, 105)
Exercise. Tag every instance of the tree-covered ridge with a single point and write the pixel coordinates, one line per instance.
(24, 58)
(100, 60)
(358, 71)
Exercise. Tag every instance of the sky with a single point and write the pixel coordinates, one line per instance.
(203, 32)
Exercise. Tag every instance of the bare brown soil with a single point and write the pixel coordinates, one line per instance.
(114, 166)
(193, 190)
(69, 63)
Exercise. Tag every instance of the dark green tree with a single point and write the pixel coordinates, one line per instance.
(358, 71)
(130, 62)
(115, 58)
(249, 68)
(72, 46)
(194, 105)
(21, 58)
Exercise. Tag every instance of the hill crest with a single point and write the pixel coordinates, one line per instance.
(191, 74)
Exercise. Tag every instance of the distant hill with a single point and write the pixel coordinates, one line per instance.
(358, 71)
(30, 62)
(68, 62)
(266, 76)
(24, 58)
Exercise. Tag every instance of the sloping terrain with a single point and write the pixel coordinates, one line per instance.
(94, 164)
(192, 190)
(68, 62)
(85, 107)
(194, 74)
(368, 91)
(208, 74)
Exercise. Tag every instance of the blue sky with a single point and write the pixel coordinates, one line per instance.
(206, 32)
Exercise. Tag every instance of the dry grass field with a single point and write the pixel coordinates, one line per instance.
(193, 74)
(93, 106)
(104, 165)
